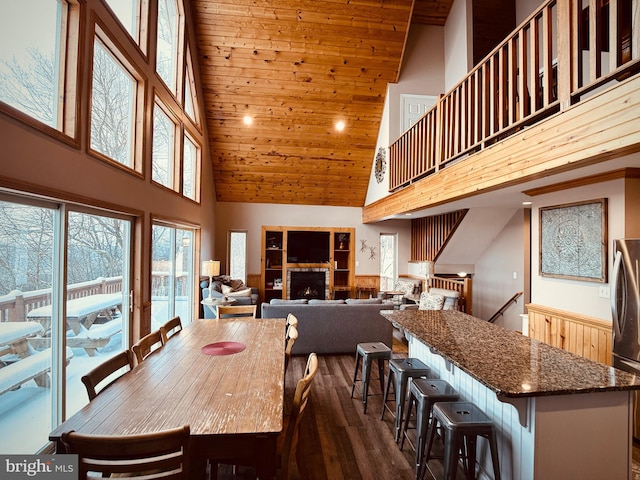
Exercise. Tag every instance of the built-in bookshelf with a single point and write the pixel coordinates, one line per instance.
(280, 259)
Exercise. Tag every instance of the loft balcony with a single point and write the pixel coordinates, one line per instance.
(546, 100)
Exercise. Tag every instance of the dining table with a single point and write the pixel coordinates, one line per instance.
(222, 377)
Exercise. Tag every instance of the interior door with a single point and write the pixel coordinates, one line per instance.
(414, 107)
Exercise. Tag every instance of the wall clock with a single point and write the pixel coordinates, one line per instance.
(381, 164)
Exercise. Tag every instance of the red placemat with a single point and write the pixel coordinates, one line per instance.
(223, 348)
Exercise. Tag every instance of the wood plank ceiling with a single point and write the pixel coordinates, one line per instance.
(296, 67)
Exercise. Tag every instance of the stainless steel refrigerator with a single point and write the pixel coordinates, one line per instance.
(625, 309)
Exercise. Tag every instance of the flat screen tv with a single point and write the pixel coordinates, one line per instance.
(308, 246)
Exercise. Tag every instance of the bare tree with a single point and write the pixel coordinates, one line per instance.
(30, 86)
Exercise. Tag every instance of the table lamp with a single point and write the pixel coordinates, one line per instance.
(211, 268)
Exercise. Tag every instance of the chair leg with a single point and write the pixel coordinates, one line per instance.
(381, 372)
(403, 433)
(401, 395)
(425, 457)
(366, 373)
(386, 393)
(470, 463)
(451, 449)
(355, 374)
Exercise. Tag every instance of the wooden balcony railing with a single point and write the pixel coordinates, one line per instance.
(539, 70)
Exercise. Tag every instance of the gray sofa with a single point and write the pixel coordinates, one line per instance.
(334, 327)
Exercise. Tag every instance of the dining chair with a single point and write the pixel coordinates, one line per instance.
(292, 336)
(231, 311)
(288, 441)
(106, 370)
(147, 345)
(170, 328)
(292, 320)
(163, 454)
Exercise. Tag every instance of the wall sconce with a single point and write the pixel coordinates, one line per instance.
(211, 268)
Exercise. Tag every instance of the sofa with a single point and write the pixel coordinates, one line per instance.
(224, 285)
(333, 326)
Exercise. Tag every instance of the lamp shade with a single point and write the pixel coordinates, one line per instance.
(211, 268)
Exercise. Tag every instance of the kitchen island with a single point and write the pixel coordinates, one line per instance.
(558, 415)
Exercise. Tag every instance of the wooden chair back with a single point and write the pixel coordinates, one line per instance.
(292, 336)
(292, 320)
(106, 369)
(162, 454)
(147, 345)
(227, 311)
(170, 328)
(289, 442)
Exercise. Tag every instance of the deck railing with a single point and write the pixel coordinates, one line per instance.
(15, 305)
(537, 71)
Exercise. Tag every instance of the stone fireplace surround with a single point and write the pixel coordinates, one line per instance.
(290, 271)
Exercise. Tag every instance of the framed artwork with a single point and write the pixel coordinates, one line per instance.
(573, 241)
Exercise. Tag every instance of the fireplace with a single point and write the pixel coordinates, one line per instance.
(308, 283)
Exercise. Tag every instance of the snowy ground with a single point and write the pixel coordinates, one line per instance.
(25, 414)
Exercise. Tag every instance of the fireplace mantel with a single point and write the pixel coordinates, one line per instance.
(291, 295)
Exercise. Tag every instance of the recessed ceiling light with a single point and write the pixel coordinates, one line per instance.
(340, 125)
(248, 120)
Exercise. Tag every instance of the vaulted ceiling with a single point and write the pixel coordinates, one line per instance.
(295, 68)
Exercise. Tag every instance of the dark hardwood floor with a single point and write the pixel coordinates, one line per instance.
(337, 439)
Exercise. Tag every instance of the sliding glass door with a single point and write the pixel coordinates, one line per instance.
(172, 274)
(64, 283)
(97, 296)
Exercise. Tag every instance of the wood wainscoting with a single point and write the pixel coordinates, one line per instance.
(580, 334)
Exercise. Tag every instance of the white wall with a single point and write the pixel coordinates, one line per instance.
(422, 72)
(494, 282)
(524, 8)
(574, 295)
(377, 190)
(251, 217)
(458, 41)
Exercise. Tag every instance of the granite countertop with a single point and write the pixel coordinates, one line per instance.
(507, 362)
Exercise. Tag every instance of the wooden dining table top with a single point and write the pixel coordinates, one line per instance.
(219, 397)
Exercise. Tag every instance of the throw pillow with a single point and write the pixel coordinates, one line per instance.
(240, 293)
(352, 301)
(281, 301)
(317, 301)
(404, 286)
(226, 289)
(431, 301)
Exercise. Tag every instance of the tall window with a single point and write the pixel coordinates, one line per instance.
(113, 107)
(388, 261)
(162, 163)
(190, 169)
(172, 274)
(190, 95)
(38, 307)
(167, 45)
(238, 255)
(132, 16)
(33, 67)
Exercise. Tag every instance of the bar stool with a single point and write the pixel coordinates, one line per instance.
(462, 422)
(402, 369)
(369, 352)
(424, 393)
